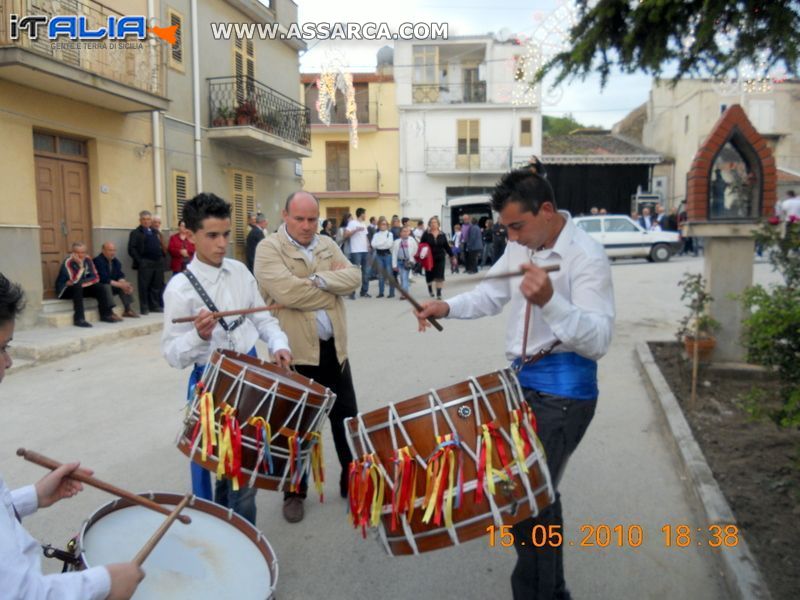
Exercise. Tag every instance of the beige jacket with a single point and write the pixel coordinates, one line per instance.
(282, 271)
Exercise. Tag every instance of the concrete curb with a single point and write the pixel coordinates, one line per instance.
(33, 347)
(742, 576)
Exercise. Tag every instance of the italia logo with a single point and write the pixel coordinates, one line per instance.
(76, 27)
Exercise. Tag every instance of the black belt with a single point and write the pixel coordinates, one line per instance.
(383, 252)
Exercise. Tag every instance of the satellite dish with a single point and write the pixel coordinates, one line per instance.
(503, 35)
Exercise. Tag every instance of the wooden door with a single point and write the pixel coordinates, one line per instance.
(337, 166)
(62, 199)
(336, 213)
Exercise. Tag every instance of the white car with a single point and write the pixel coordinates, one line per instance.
(621, 236)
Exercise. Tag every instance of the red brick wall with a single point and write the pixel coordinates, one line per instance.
(700, 171)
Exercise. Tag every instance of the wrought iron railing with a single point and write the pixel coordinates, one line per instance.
(139, 67)
(485, 158)
(449, 93)
(243, 101)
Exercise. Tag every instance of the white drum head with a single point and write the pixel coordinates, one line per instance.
(209, 558)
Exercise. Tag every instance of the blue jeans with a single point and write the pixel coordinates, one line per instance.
(403, 274)
(385, 260)
(359, 259)
(486, 256)
(242, 502)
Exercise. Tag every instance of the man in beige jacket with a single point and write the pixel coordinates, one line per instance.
(309, 275)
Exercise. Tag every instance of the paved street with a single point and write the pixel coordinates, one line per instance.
(118, 407)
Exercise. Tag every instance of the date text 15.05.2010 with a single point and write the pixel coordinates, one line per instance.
(603, 536)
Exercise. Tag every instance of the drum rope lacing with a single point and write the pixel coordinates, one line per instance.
(370, 464)
(300, 460)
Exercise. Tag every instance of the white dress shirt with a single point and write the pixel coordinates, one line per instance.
(20, 559)
(230, 286)
(581, 311)
(324, 325)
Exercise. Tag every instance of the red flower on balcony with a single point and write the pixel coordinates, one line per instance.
(246, 113)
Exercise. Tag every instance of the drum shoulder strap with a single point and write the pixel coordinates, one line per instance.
(210, 303)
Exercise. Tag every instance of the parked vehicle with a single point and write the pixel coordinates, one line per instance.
(479, 207)
(621, 236)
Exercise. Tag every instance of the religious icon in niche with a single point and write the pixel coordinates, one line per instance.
(733, 188)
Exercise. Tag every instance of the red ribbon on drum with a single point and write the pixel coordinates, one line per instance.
(404, 491)
(230, 447)
(366, 490)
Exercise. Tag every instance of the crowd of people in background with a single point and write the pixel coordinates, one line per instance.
(393, 250)
(378, 246)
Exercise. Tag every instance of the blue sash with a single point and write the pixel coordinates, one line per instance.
(563, 374)
(201, 479)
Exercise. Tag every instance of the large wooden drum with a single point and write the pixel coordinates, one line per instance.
(438, 469)
(218, 555)
(264, 419)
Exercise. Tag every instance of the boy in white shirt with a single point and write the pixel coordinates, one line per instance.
(228, 285)
(20, 555)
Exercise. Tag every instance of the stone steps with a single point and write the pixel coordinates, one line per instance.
(59, 313)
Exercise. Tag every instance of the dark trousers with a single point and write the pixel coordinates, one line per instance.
(127, 299)
(471, 260)
(243, 501)
(101, 291)
(539, 573)
(338, 378)
(150, 279)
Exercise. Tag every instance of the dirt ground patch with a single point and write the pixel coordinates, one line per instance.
(756, 463)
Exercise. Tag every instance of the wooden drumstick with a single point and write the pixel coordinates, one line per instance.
(547, 268)
(49, 463)
(230, 313)
(156, 537)
(393, 281)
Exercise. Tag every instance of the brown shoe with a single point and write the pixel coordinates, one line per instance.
(130, 314)
(112, 318)
(293, 510)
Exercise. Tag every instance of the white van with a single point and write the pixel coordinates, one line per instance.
(478, 207)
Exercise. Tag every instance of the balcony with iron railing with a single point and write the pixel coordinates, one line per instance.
(446, 160)
(247, 114)
(342, 183)
(449, 93)
(128, 79)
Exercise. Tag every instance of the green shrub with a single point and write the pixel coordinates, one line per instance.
(771, 330)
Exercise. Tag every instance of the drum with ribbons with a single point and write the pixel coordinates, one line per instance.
(256, 424)
(438, 469)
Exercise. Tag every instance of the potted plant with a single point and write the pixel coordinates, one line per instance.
(697, 328)
(224, 117)
(246, 113)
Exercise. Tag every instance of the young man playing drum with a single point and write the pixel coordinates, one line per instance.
(309, 275)
(20, 566)
(210, 283)
(570, 328)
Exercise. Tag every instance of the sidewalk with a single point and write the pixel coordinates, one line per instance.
(44, 344)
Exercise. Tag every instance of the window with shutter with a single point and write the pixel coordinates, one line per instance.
(176, 50)
(468, 150)
(244, 203)
(525, 135)
(180, 193)
(244, 68)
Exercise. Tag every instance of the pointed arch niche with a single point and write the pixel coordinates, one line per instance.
(733, 176)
